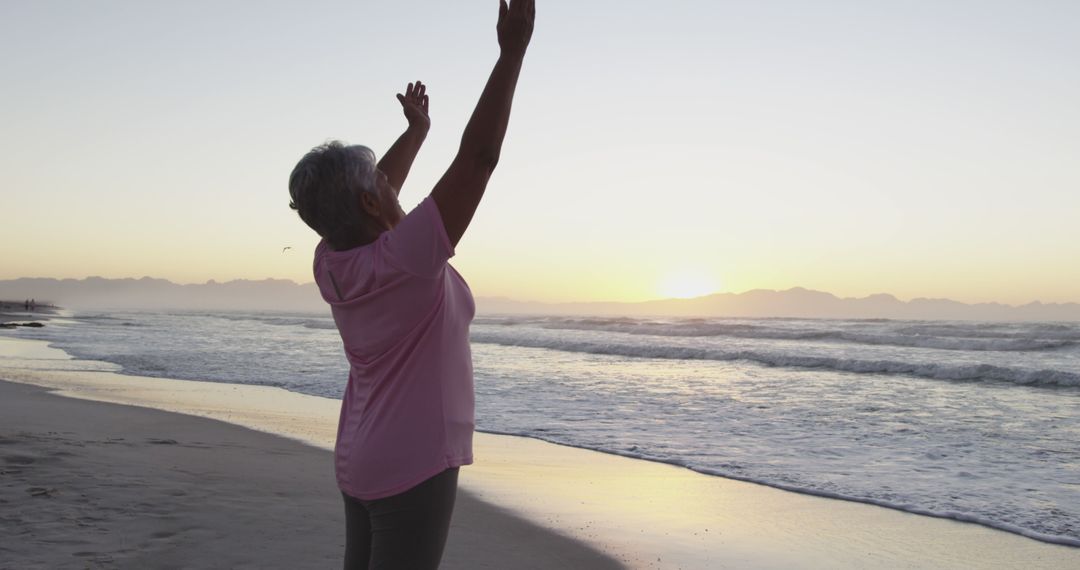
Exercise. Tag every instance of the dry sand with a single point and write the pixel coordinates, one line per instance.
(644, 514)
(96, 485)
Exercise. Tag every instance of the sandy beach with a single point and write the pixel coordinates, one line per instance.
(171, 473)
(99, 485)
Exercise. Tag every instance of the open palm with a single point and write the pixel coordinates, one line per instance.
(415, 105)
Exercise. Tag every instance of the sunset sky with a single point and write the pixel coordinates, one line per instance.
(655, 149)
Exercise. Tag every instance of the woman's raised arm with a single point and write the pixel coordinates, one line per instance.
(459, 190)
(398, 160)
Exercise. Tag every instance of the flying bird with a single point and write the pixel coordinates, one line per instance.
(286, 247)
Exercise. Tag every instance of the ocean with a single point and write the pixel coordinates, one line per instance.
(974, 421)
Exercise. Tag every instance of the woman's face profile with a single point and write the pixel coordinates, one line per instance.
(382, 205)
(388, 198)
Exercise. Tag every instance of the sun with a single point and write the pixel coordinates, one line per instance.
(687, 284)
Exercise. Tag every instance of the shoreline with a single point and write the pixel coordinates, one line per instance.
(634, 509)
(14, 314)
(959, 517)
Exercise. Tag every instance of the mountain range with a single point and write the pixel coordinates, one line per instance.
(281, 294)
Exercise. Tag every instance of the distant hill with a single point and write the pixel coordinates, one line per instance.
(285, 295)
(800, 303)
(150, 293)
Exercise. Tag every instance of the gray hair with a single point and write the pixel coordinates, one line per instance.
(325, 187)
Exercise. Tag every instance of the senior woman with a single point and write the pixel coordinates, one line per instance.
(403, 313)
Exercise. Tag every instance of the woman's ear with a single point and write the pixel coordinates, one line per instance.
(370, 204)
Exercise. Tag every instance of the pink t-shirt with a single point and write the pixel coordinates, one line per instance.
(403, 314)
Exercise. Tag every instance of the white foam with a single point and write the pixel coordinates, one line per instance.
(935, 370)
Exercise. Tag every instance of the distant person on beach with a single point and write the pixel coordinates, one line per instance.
(403, 314)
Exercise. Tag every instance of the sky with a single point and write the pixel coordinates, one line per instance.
(923, 149)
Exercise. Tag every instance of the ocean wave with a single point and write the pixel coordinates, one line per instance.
(324, 323)
(310, 322)
(938, 371)
(807, 490)
(955, 343)
(1049, 331)
(921, 336)
(95, 318)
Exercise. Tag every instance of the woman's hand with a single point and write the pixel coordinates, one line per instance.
(397, 161)
(515, 26)
(415, 105)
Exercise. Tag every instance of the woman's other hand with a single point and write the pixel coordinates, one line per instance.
(515, 26)
(415, 105)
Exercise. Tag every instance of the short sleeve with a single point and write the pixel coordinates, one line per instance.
(418, 244)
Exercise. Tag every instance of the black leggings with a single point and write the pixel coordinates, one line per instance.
(403, 531)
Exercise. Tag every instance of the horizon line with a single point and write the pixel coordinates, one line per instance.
(517, 300)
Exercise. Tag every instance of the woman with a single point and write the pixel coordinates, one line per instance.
(403, 314)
